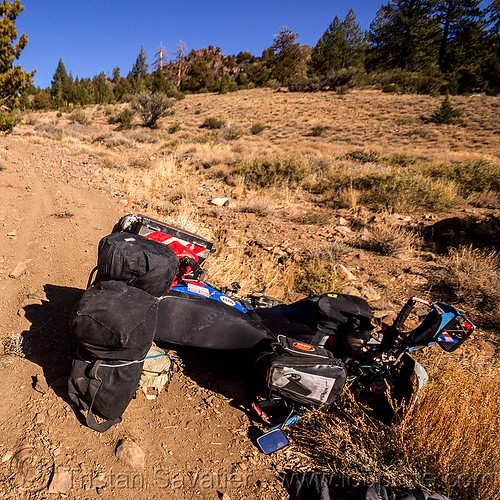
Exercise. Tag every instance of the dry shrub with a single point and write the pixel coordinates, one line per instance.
(447, 443)
(151, 106)
(407, 191)
(386, 188)
(474, 176)
(347, 442)
(257, 208)
(263, 172)
(348, 198)
(142, 136)
(51, 130)
(79, 117)
(472, 275)
(317, 273)
(387, 238)
(453, 436)
(233, 131)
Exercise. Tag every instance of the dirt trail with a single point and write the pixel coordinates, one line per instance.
(195, 442)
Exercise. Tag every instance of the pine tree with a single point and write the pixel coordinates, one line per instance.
(353, 46)
(404, 35)
(58, 84)
(446, 114)
(116, 75)
(341, 46)
(461, 31)
(13, 80)
(139, 72)
(491, 68)
(140, 67)
(102, 91)
(288, 58)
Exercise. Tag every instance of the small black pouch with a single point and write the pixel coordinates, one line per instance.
(305, 373)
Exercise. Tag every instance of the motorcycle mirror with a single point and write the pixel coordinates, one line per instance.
(273, 441)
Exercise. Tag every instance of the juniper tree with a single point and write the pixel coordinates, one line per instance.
(13, 80)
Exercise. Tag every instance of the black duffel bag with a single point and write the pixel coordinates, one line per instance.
(113, 325)
(138, 261)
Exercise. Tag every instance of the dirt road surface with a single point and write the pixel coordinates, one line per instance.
(196, 444)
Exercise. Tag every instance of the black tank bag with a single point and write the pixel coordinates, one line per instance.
(113, 325)
(305, 373)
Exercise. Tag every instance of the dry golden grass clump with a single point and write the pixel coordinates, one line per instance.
(448, 443)
(317, 273)
(473, 278)
(388, 238)
(453, 435)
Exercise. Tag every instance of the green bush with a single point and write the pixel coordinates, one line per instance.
(400, 81)
(318, 131)
(6, 122)
(446, 114)
(125, 119)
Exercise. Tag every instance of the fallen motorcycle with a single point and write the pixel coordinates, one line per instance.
(313, 346)
(308, 351)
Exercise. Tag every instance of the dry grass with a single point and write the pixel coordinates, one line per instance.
(269, 171)
(448, 443)
(453, 436)
(317, 272)
(473, 278)
(388, 238)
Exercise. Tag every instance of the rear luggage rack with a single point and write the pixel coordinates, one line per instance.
(164, 233)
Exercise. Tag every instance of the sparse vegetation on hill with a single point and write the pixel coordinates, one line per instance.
(424, 48)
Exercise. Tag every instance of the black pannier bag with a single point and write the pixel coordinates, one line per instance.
(305, 373)
(138, 261)
(113, 325)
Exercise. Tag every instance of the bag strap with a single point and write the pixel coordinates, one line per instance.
(94, 386)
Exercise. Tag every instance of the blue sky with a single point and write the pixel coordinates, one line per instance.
(96, 35)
